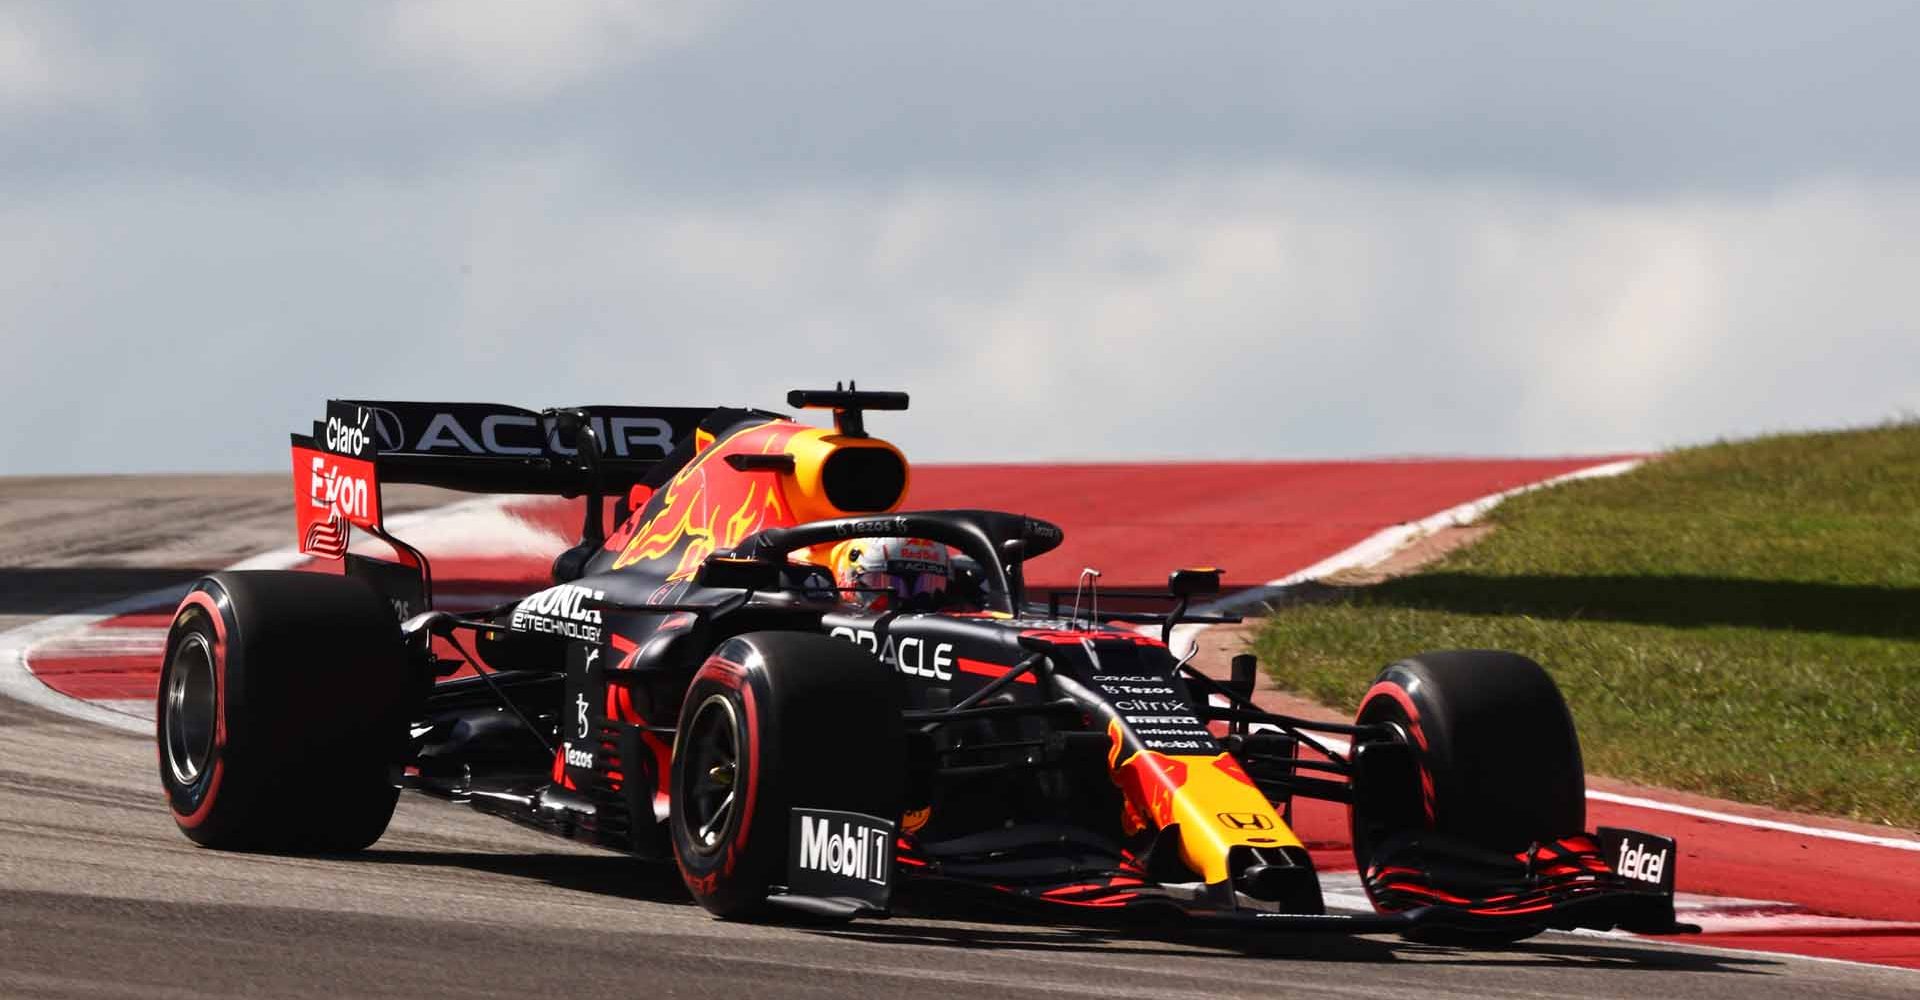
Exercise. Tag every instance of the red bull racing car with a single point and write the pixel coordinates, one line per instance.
(699, 687)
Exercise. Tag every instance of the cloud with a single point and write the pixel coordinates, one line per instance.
(1636, 98)
(45, 66)
(494, 49)
(1276, 312)
(1238, 230)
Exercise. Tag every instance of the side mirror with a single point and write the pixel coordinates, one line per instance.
(1241, 680)
(1194, 582)
(738, 573)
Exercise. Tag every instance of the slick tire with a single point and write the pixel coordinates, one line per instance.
(283, 698)
(1497, 758)
(775, 720)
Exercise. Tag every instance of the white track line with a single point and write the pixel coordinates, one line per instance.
(1376, 548)
(19, 683)
(1681, 941)
(1798, 829)
(1340, 746)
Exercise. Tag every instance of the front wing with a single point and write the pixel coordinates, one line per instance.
(1593, 881)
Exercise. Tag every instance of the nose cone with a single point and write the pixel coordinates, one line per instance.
(1219, 811)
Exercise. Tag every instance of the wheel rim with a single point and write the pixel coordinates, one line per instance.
(191, 709)
(712, 755)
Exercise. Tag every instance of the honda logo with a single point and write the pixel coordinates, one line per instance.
(1245, 821)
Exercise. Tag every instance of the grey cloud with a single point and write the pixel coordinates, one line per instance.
(1072, 232)
(1261, 313)
(1622, 98)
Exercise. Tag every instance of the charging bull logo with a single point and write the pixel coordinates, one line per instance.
(709, 505)
(1150, 780)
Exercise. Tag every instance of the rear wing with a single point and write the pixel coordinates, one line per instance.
(339, 468)
(493, 448)
(590, 451)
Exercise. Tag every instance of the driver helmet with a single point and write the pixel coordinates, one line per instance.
(889, 574)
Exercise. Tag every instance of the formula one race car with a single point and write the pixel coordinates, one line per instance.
(696, 688)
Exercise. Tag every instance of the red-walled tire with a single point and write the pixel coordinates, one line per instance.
(1497, 758)
(283, 698)
(792, 719)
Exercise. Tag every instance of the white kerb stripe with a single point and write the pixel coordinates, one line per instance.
(1338, 745)
(19, 683)
(1871, 840)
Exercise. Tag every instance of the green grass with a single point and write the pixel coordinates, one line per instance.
(1740, 619)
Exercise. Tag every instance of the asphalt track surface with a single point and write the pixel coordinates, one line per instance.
(101, 897)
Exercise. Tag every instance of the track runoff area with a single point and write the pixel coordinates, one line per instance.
(1752, 878)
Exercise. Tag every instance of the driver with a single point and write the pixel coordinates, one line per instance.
(892, 574)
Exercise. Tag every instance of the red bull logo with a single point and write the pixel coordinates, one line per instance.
(1150, 780)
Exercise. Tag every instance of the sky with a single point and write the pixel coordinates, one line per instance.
(1072, 231)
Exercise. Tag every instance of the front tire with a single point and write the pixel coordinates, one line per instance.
(775, 720)
(1497, 762)
(282, 700)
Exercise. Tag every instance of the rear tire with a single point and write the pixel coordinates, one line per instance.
(775, 720)
(1498, 760)
(283, 698)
